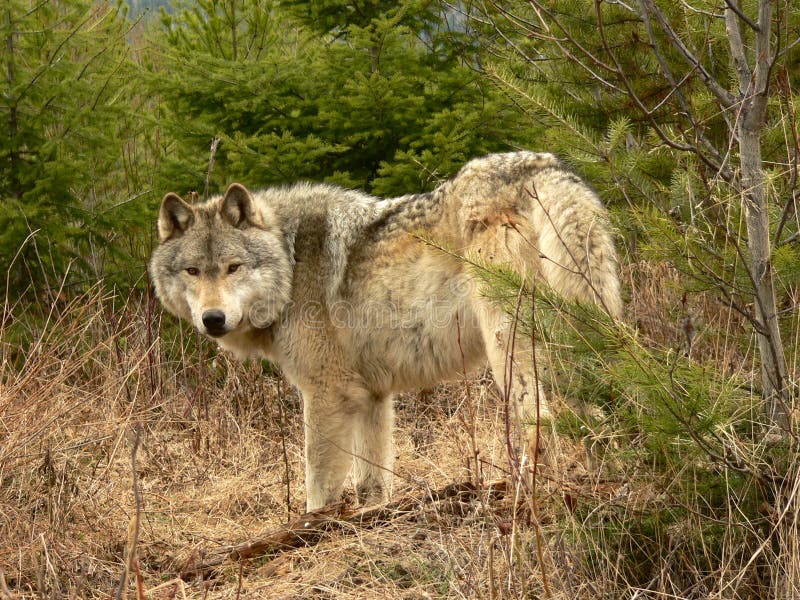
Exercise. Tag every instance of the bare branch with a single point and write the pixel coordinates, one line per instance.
(764, 58)
(792, 201)
(700, 11)
(309, 528)
(541, 12)
(506, 39)
(718, 162)
(723, 96)
(213, 153)
(736, 44)
(733, 6)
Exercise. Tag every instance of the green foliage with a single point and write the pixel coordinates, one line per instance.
(657, 143)
(678, 424)
(608, 107)
(669, 425)
(66, 108)
(382, 102)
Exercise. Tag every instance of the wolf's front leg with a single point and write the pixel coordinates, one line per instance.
(328, 425)
(374, 452)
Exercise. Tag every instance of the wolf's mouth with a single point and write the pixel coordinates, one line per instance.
(216, 332)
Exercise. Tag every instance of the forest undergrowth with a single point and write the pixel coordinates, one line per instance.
(108, 388)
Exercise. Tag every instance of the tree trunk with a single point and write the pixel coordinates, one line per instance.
(773, 363)
(750, 122)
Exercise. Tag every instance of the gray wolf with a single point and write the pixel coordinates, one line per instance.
(343, 291)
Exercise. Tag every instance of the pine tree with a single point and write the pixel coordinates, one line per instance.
(386, 102)
(710, 118)
(65, 114)
(649, 99)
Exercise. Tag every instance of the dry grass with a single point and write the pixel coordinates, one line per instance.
(220, 454)
(219, 461)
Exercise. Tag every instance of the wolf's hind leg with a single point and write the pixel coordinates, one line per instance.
(512, 363)
(373, 450)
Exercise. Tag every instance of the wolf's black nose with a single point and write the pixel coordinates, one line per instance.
(214, 320)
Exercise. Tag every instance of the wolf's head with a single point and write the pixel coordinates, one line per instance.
(223, 265)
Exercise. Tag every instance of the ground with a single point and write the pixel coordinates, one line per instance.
(219, 462)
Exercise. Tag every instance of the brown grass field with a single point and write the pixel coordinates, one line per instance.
(218, 462)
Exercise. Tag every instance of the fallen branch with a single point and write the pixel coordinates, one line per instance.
(312, 527)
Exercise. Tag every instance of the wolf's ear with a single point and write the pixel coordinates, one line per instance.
(174, 218)
(238, 208)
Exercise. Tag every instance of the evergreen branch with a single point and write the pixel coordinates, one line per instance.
(635, 351)
(545, 106)
(52, 60)
(540, 8)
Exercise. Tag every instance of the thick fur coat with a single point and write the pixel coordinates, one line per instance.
(342, 291)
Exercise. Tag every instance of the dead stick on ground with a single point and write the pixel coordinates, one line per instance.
(311, 528)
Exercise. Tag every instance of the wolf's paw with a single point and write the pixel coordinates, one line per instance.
(371, 492)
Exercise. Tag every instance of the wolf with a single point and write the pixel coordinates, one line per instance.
(348, 294)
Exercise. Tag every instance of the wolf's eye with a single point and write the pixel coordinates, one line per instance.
(233, 268)
(193, 271)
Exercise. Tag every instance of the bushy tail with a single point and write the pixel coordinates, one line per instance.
(577, 254)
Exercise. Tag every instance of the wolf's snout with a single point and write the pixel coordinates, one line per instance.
(214, 320)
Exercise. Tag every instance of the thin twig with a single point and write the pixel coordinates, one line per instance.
(723, 96)
(133, 533)
(214, 145)
(734, 6)
(536, 444)
(469, 421)
(286, 469)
